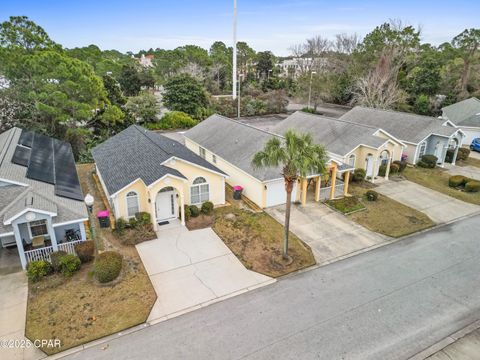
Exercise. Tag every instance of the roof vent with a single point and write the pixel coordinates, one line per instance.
(29, 201)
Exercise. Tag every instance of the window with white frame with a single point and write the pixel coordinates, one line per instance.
(132, 204)
(199, 191)
(351, 160)
(423, 149)
(214, 159)
(38, 228)
(202, 152)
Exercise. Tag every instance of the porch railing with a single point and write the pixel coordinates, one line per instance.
(325, 191)
(44, 253)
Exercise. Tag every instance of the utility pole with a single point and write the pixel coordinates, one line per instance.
(310, 88)
(239, 95)
(234, 60)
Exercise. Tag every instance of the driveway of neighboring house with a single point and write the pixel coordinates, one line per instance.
(472, 172)
(13, 308)
(193, 269)
(475, 154)
(330, 235)
(439, 207)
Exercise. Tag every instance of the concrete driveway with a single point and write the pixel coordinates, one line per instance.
(439, 207)
(193, 269)
(330, 234)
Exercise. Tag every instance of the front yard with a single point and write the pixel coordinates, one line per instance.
(387, 216)
(257, 239)
(77, 310)
(437, 179)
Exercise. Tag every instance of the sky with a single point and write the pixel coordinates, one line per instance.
(264, 24)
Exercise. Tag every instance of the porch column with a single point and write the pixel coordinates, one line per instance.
(152, 214)
(333, 182)
(83, 235)
(182, 210)
(455, 155)
(375, 170)
(318, 184)
(304, 191)
(299, 190)
(387, 171)
(21, 250)
(51, 232)
(345, 185)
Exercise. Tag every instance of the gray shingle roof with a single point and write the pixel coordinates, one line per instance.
(138, 153)
(465, 112)
(30, 200)
(234, 142)
(404, 126)
(339, 137)
(67, 209)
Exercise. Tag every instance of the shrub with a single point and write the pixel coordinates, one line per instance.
(402, 165)
(194, 211)
(120, 225)
(85, 251)
(187, 212)
(107, 266)
(143, 218)
(55, 259)
(371, 195)
(394, 169)
(38, 269)
(428, 161)
(309, 110)
(463, 153)
(472, 186)
(382, 170)
(456, 181)
(449, 156)
(359, 175)
(177, 120)
(132, 223)
(207, 208)
(69, 264)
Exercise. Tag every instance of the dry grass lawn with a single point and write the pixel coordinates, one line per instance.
(437, 179)
(470, 161)
(257, 240)
(387, 216)
(79, 310)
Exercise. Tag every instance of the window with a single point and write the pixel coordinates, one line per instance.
(38, 228)
(423, 149)
(132, 204)
(199, 192)
(214, 159)
(201, 151)
(384, 157)
(351, 160)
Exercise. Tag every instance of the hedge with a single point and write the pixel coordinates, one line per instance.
(463, 153)
(472, 186)
(69, 264)
(85, 250)
(456, 181)
(394, 169)
(402, 165)
(359, 175)
(194, 211)
(371, 195)
(428, 161)
(382, 170)
(38, 269)
(108, 266)
(207, 208)
(55, 259)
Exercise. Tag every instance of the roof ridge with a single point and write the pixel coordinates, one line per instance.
(247, 125)
(339, 120)
(395, 112)
(23, 193)
(144, 131)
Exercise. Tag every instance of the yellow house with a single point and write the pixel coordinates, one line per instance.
(142, 171)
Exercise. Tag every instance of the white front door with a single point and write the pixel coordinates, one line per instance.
(438, 153)
(369, 166)
(166, 205)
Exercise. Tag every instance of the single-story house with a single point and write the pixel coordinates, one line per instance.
(143, 171)
(231, 145)
(41, 203)
(359, 145)
(422, 134)
(465, 115)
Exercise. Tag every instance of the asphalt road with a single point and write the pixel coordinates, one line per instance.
(389, 303)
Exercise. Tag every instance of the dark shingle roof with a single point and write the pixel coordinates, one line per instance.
(404, 126)
(465, 112)
(339, 137)
(138, 153)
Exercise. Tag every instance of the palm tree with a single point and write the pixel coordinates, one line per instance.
(298, 156)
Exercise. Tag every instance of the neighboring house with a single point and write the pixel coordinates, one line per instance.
(360, 146)
(41, 202)
(296, 66)
(143, 171)
(465, 115)
(231, 145)
(422, 134)
(146, 60)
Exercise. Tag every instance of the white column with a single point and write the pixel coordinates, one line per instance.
(387, 171)
(455, 155)
(83, 235)
(152, 213)
(51, 232)
(182, 209)
(21, 250)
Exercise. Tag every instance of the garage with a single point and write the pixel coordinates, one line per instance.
(470, 134)
(276, 193)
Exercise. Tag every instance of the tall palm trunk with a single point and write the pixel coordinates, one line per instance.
(288, 188)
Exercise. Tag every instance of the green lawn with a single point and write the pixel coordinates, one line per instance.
(346, 205)
(437, 179)
(387, 216)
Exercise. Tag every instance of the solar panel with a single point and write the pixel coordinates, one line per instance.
(26, 138)
(21, 156)
(66, 178)
(40, 166)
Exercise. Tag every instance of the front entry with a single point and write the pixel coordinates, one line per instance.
(166, 204)
(369, 165)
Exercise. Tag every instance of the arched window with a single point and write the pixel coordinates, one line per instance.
(132, 204)
(384, 157)
(199, 191)
(423, 149)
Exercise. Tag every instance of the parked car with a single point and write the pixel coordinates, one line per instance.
(475, 145)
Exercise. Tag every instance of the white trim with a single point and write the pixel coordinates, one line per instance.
(7, 234)
(30, 230)
(126, 202)
(192, 185)
(79, 221)
(200, 166)
(126, 186)
(389, 135)
(9, 221)
(163, 177)
(13, 182)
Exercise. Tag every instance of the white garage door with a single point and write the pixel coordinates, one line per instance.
(470, 135)
(276, 193)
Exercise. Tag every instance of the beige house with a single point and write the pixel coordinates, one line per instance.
(142, 171)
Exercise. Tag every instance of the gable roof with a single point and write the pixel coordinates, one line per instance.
(137, 153)
(465, 112)
(404, 126)
(338, 136)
